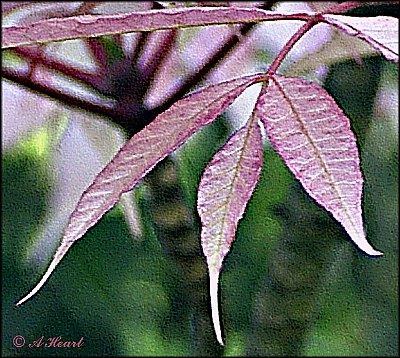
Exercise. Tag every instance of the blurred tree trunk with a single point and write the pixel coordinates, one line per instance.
(177, 228)
(287, 306)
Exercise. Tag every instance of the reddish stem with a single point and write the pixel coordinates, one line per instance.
(57, 94)
(314, 20)
(190, 82)
(214, 59)
(289, 45)
(98, 52)
(52, 64)
(143, 38)
(164, 47)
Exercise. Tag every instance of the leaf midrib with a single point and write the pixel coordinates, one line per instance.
(316, 151)
(235, 177)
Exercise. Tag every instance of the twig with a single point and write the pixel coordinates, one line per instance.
(57, 94)
(30, 54)
(337, 8)
(222, 52)
(289, 45)
(165, 46)
(143, 38)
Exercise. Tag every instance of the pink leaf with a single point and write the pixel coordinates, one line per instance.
(381, 32)
(141, 153)
(225, 188)
(314, 138)
(75, 27)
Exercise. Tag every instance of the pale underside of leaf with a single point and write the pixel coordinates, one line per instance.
(74, 27)
(224, 191)
(314, 138)
(141, 153)
(381, 32)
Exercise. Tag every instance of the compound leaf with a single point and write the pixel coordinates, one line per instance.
(225, 188)
(141, 153)
(314, 138)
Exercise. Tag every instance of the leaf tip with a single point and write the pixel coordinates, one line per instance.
(366, 248)
(46, 276)
(372, 252)
(20, 302)
(363, 244)
(214, 274)
(34, 291)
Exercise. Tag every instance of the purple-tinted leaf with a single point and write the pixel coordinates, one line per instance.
(74, 27)
(314, 138)
(225, 188)
(141, 153)
(381, 32)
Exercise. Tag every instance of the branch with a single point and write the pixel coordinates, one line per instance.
(289, 45)
(200, 74)
(313, 20)
(143, 38)
(214, 59)
(57, 94)
(52, 64)
(152, 65)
